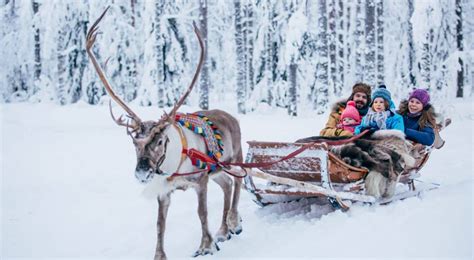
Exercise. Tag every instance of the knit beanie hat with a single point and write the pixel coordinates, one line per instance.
(351, 112)
(382, 92)
(422, 95)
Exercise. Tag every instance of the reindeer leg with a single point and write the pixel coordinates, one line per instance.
(225, 183)
(163, 205)
(207, 244)
(233, 219)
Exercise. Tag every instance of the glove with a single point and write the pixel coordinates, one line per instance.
(373, 124)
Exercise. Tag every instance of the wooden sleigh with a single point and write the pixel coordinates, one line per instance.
(316, 172)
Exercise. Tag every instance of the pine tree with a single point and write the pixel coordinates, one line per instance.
(204, 81)
(426, 64)
(341, 59)
(292, 91)
(263, 53)
(359, 39)
(321, 95)
(380, 66)
(63, 88)
(177, 72)
(370, 43)
(411, 47)
(272, 53)
(443, 46)
(332, 41)
(17, 50)
(159, 49)
(124, 67)
(349, 44)
(293, 53)
(240, 53)
(460, 48)
(249, 46)
(71, 55)
(37, 45)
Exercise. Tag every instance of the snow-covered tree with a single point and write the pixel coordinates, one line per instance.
(460, 47)
(70, 51)
(320, 94)
(340, 47)
(204, 81)
(380, 67)
(37, 44)
(332, 41)
(153, 54)
(370, 43)
(249, 37)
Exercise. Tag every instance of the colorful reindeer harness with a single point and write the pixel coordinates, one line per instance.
(202, 126)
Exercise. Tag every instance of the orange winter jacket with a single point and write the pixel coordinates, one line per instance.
(331, 126)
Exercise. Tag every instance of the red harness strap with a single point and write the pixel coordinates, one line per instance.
(198, 157)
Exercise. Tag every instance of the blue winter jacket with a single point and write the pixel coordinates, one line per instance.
(394, 121)
(413, 131)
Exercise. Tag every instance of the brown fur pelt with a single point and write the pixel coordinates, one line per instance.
(385, 153)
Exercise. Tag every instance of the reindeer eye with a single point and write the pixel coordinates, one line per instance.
(160, 142)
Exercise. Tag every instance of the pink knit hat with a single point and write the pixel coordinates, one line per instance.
(351, 112)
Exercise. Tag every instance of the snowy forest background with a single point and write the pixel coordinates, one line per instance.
(294, 54)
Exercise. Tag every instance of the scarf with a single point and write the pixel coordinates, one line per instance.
(380, 118)
(414, 115)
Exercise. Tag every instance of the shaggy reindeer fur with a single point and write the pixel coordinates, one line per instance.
(385, 153)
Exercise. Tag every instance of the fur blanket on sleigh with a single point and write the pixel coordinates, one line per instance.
(386, 153)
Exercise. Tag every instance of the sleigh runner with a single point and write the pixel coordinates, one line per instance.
(318, 172)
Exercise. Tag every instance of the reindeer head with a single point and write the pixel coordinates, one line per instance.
(150, 145)
(149, 137)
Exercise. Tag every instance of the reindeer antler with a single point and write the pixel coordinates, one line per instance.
(91, 37)
(173, 111)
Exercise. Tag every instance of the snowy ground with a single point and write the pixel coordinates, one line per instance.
(68, 191)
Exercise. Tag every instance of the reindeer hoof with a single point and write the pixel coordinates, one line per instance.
(207, 251)
(222, 238)
(235, 227)
(237, 230)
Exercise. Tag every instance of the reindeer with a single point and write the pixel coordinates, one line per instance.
(159, 145)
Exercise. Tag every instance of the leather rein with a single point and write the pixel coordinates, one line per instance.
(185, 153)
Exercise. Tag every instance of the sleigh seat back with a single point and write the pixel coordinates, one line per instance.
(306, 166)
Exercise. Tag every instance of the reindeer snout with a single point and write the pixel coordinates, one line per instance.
(143, 165)
(143, 171)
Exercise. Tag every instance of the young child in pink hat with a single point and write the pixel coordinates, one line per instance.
(350, 118)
